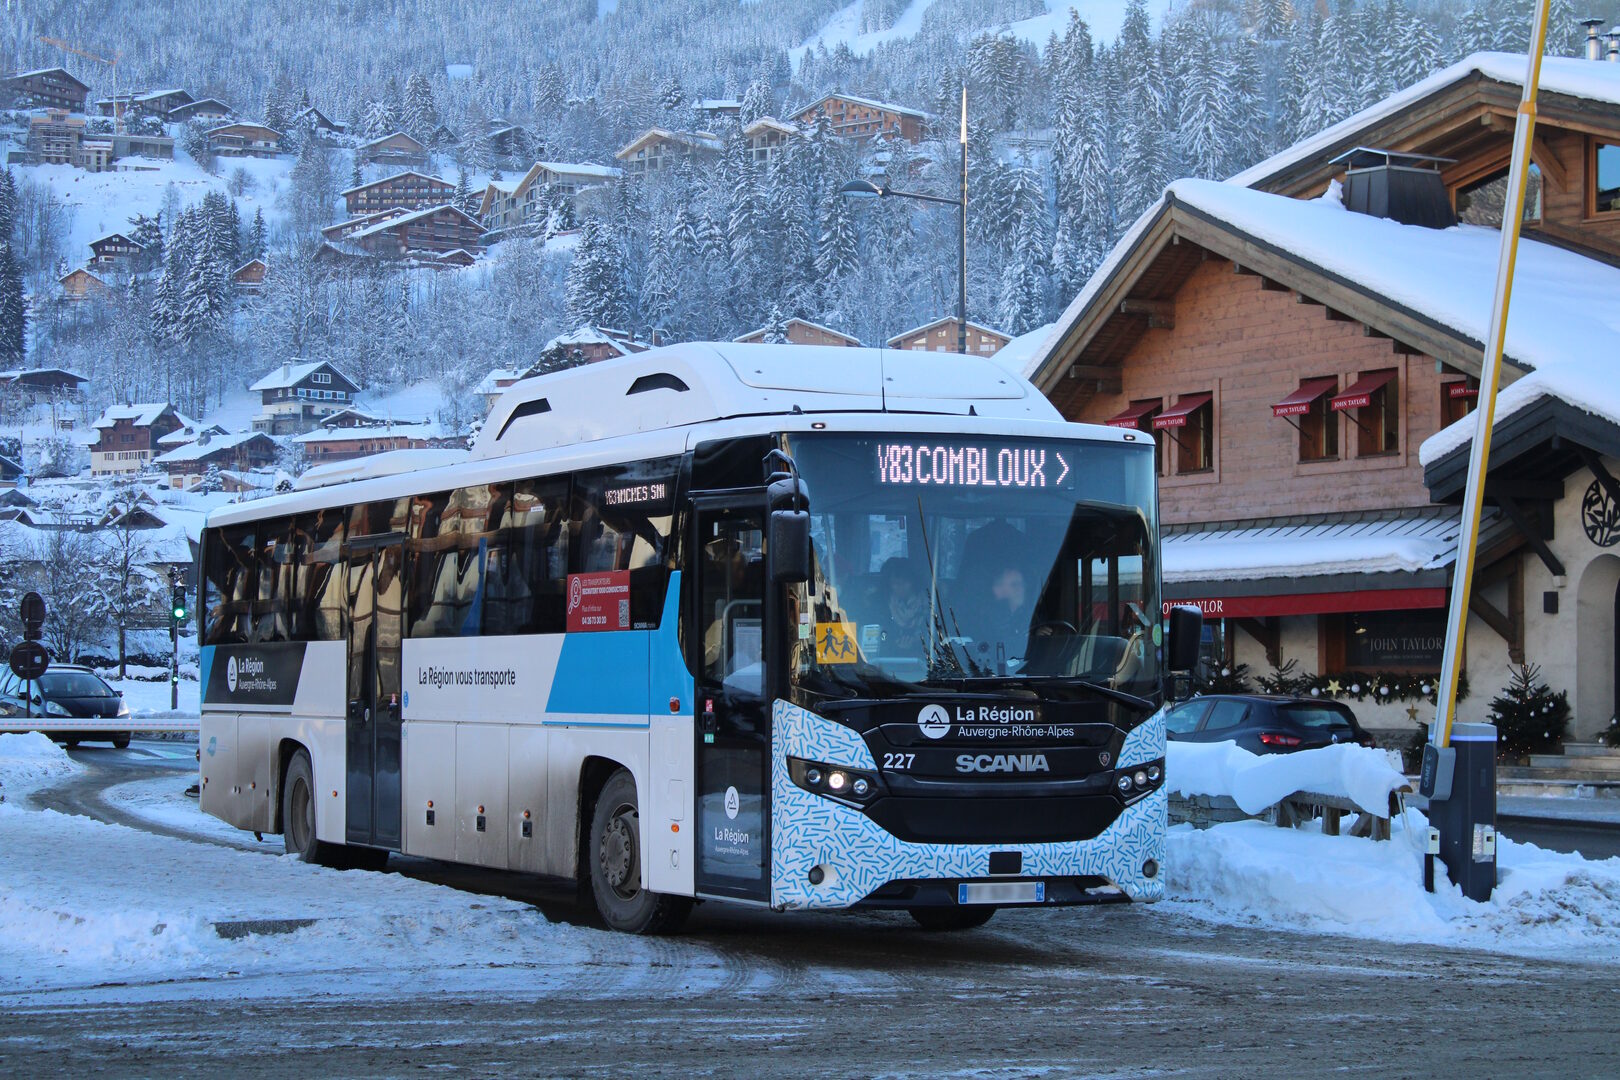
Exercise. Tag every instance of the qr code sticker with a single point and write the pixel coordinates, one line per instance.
(624, 613)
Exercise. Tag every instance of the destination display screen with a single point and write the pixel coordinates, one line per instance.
(945, 463)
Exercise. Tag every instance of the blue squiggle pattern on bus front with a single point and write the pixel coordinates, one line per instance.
(1145, 742)
(858, 856)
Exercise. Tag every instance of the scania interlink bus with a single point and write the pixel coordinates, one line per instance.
(789, 626)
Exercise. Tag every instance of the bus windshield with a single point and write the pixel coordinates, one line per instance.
(944, 560)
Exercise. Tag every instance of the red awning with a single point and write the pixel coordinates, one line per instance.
(1359, 394)
(1176, 415)
(1299, 402)
(1132, 416)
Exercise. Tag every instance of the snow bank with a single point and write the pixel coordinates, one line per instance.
(31, 761)
(1253, 874)
(1256, 781)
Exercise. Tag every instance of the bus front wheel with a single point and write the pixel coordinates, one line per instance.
(615, 866)
(946, 918)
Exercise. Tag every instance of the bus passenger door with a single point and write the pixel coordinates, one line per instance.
(376, 625)
(728, 628)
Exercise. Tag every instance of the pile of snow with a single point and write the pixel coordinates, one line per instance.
(31, 761)
(1253, 874)
(1256, 781)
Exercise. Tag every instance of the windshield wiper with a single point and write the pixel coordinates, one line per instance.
(1119, 697)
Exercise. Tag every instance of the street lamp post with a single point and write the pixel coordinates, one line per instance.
(865, 189)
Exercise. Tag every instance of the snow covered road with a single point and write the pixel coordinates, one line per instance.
(111, 958)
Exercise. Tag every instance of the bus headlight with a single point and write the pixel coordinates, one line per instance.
(834, 781)
(1138, 780)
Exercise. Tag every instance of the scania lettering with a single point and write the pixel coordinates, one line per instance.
(985, 763)
(787, 626)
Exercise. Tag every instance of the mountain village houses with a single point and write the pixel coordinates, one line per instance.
(1303, 343)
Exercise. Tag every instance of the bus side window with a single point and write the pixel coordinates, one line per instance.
(275, 584)
(317, 603)
(429, 544)
(231, 586)
(622, 520)
(527, 575)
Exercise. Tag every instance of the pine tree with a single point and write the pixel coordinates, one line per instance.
(595, 290)
(258, 244)
(1529, 717)
(758, 101)
(776, 327)
(13, 309)
(421, 114)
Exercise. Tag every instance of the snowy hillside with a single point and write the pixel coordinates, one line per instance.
(1103, 16)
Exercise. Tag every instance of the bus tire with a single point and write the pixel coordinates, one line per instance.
(298, 815)
(120, 742)
(948, 918)
(615, 866)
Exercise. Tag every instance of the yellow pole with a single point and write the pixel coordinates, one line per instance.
(1490, 373)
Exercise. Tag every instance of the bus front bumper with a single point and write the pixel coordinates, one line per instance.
(825, 854)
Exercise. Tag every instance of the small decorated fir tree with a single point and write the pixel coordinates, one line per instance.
(1529, 717)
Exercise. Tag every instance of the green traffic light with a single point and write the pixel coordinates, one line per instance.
(179, 614)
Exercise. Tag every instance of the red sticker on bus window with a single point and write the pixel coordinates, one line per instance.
(599, 601)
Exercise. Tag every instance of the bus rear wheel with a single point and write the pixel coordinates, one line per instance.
(615, 866)
(947, 918)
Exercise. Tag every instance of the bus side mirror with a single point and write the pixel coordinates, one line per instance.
(789, 549)
(1186, 636)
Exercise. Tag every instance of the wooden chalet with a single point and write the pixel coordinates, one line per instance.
(352, 434)
(312, 119)
(12, 474)
(396, 149)
(81, 285)
(408, 190)
(203, 109)
(161, 103)
(50, 88)
(249, 277)
(127, 437)
(586, 345)
(766, 137)
(114, 251)
(190, 465)
(35, 385)
(244, 140)
(1303, 344)
(510, 203)
(864, 119)
(658, 149)
(436, 230)
(941, 334)
(803, 332)
(295, 397)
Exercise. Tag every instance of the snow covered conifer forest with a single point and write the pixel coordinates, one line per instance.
(1074, 132)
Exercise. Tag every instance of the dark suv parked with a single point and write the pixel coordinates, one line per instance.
(64, 698)
(1263, 724)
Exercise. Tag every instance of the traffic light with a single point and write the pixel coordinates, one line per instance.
(177, 607)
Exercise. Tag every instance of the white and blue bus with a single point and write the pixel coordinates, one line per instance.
(781, 625)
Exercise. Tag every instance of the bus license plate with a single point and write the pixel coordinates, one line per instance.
(1001, 892)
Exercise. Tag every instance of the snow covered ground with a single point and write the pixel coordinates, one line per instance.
(86, 905)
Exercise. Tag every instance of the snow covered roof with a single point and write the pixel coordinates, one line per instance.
(46, 71)
(491, 383)
(697, 140)
(755, 334)
(188, 431)
(199, 451)
(242, 126)
(1570, 76)
(396, 176)
(870, 103)
(716, 104)
(1018, 353)
(291, 374)
(569, 168)
(1563, 303)
(113, 236)
(143, 415)
(153, 95)
(394, 429)
(394, 135)
(20, 373)
(981, 328)
(771, 123)
(1399, 545)
(415, 215)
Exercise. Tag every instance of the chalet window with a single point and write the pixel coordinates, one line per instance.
(1605, 176)
(1458, 399)
(1190, 424)
(126, 438)
(1482, 202)
(1373, 404)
